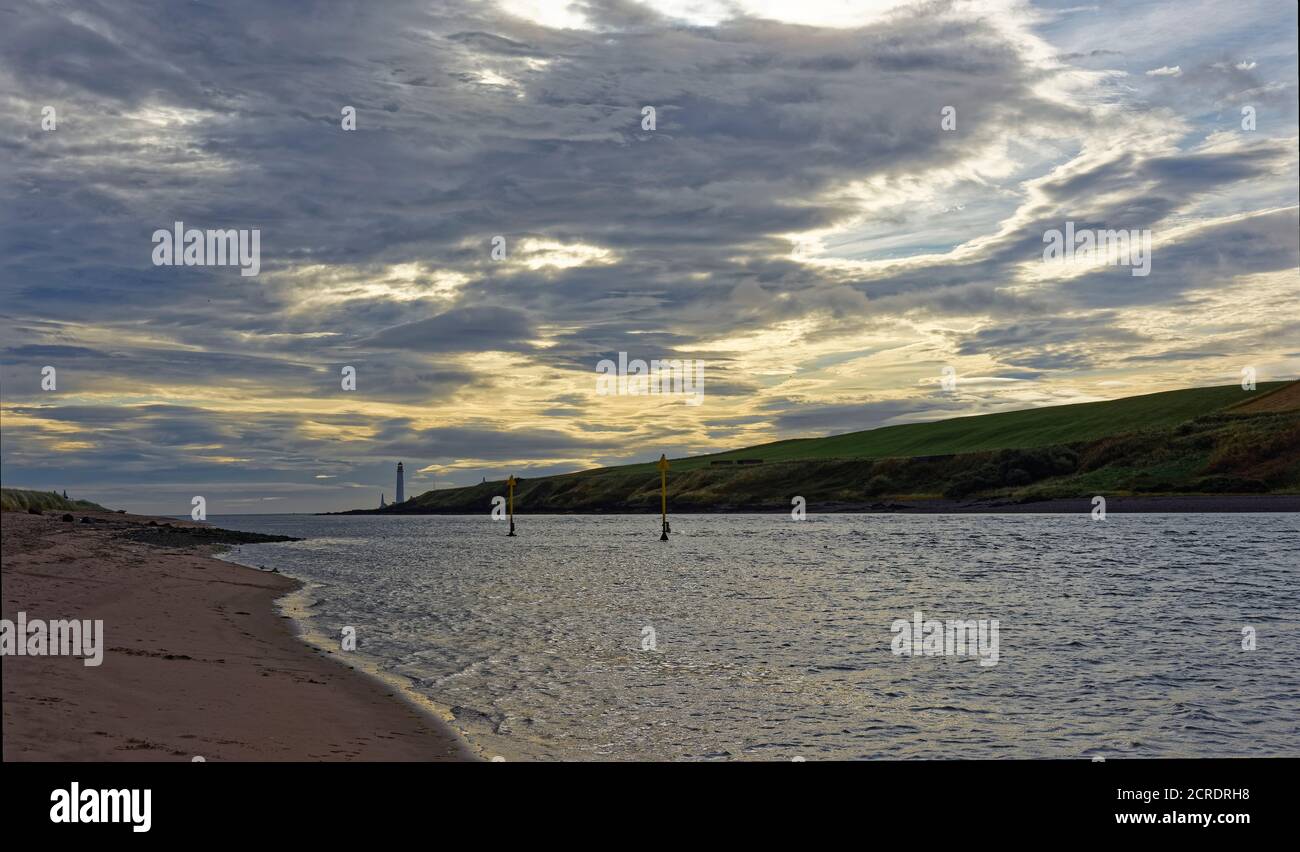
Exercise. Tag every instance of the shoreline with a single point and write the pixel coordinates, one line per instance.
(295, 604)
(1117, 504)
(199, 661)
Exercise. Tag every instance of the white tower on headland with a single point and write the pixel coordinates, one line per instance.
(401, 492)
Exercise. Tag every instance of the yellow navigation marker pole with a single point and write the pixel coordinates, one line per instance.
(663, 494)
(510, 486)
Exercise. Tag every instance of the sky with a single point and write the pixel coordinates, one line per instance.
(838, 206)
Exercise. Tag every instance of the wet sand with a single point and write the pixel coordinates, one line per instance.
(197, 662)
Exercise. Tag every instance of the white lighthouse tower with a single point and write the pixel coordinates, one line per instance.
(401, 491)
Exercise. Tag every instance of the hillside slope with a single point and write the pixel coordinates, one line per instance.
(1195, 441)
(1034, 427)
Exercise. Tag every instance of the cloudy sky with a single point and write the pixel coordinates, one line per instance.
(798, 218)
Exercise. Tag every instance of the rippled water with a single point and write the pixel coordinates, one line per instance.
(1118, 638)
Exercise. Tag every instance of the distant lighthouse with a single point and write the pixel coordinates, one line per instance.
(401, 491)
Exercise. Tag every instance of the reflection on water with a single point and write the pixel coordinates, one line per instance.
(1120, 638)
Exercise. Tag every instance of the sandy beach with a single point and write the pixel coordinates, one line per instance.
(196, 660)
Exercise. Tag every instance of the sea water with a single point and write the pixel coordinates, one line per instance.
(759, 637)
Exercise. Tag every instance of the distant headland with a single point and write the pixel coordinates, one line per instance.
(1194, 450)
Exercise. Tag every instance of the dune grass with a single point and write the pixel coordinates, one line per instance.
(22, 500)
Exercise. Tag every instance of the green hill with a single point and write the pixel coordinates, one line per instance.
(1212, 440)
(21, 500)
(1034, 427)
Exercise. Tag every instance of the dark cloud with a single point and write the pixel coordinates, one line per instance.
(476, 329)
(1263, 242)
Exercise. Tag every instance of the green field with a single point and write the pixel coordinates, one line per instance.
(1216, 440)
(1035, 427)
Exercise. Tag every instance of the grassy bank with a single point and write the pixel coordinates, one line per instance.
(22, 500)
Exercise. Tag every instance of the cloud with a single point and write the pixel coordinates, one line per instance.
(473, 329)
(798, 219)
